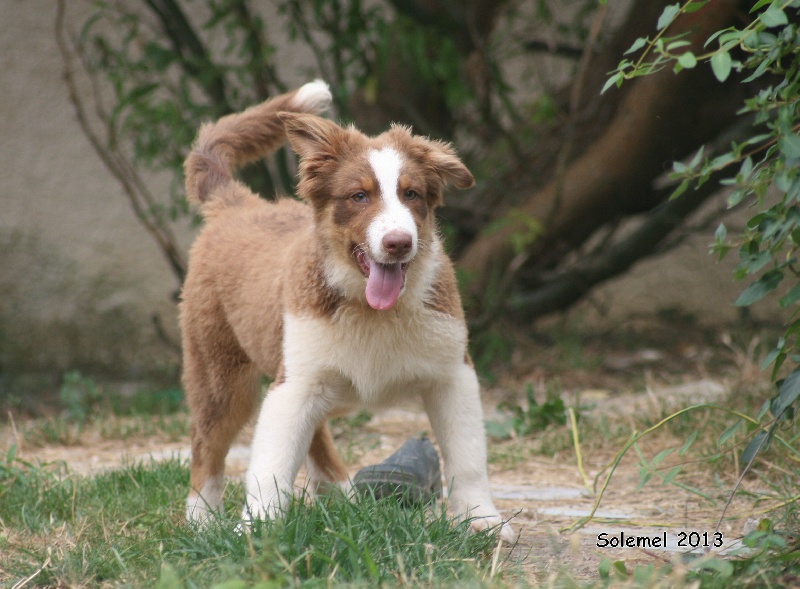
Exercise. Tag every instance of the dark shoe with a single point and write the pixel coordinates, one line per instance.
(411, 474)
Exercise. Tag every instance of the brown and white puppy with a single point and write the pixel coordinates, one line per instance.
(346, 300)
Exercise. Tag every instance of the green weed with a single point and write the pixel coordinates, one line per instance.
(172, 427)
(58, 430)
(571, 347)
(488, 347)
(148, 402)
(535, 417)
(80, 396)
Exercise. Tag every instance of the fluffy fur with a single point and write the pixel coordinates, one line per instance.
(345, 300)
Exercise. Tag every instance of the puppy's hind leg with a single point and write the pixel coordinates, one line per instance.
(221, 403)
(325, 467)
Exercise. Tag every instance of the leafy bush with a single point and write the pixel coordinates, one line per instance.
(763, 170)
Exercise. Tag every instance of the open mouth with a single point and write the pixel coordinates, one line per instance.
(385, 282)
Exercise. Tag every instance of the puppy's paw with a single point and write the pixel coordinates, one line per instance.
(483, 515)
(504, 530)
(262, 508)
(198, 511)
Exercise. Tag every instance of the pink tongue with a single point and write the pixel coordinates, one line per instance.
(384, 285)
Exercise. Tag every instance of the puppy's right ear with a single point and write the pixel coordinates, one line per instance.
(313, 137)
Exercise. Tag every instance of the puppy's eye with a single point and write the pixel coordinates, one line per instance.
(360, 197)
(411, 194)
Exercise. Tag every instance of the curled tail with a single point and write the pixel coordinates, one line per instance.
(237, 139)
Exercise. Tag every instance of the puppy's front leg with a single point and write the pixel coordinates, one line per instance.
(289, 415)
(456, 416)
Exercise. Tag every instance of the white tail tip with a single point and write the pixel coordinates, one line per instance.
(313, 97)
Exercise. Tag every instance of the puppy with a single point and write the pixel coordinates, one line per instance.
(346, 300)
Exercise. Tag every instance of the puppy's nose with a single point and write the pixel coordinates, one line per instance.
(397, 243)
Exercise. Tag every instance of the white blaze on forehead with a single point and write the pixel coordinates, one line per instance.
(394, 215)
(386, 164)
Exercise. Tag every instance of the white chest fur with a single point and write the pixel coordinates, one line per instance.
(372, 357)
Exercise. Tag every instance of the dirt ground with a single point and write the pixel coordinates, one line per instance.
(538, 483)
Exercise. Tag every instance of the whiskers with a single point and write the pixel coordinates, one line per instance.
(360, 248)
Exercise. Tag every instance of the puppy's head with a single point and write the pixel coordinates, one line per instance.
(373, 199)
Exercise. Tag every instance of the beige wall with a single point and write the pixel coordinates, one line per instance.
(80, 279)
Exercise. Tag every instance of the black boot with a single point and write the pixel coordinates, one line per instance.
(411, 474)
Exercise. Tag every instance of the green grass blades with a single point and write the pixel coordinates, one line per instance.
(333, 540)
(87, 531)
(125, 528)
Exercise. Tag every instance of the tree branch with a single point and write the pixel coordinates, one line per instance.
(656, 234)
(196, 61)
(267, 82)
(266, 76)
(564, 289)
(491, 308)
(193, 54)
(649, 129)
(560, 49)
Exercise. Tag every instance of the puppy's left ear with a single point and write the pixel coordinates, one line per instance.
(320, 144)
(312, 136)
(445, 163)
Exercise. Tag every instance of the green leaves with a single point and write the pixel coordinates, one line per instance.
(687, 60)
(760, 288)
(615, 80)
(787, 394)
(774, 16)
(764, 165)
(789, 145)
(782, 408)
(791, 297)
(526, 228)
(638, 44)
(729, 433)
(668, 15)
(721, 65)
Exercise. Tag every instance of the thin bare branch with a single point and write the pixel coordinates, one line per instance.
(134, 188)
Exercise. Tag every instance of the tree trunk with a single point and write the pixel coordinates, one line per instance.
(662, 117)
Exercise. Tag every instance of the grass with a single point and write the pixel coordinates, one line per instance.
(126, 528)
